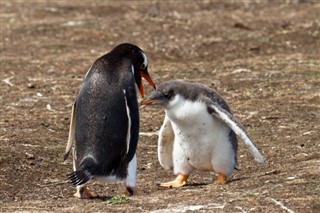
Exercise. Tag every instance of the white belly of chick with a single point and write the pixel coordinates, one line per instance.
(203, 139)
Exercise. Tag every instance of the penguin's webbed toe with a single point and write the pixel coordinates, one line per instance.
(221, 179)
(84, 193)
(130, 191)
(178, 182)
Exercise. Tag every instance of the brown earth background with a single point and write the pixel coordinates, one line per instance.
(261, 56)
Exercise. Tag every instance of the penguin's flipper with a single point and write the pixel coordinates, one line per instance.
(131, 178)
(71, 132)
(165, 144)
(133, 123)
(236, 127)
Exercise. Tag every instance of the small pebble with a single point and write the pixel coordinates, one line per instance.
(291, 178)
(31, 85)
(30, 156)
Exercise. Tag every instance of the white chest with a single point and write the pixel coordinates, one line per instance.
(197, 133)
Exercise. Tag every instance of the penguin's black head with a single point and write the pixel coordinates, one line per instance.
(139, 61)
(164, 93)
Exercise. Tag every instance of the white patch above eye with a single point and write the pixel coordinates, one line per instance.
(145, 60)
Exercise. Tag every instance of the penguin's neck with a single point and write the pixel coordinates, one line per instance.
(182, 111)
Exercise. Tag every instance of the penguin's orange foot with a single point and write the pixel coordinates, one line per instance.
(84, 193)
(178, 182)
(130, 191)
(221, 179)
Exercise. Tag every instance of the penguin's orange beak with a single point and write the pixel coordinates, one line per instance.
(148, 102)
(156, 98)
(146, 76)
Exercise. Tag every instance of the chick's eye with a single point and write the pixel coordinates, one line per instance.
(168, 94)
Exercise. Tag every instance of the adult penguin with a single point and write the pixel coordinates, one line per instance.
(105, 120)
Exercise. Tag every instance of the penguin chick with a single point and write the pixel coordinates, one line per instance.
(105, 120)
(198, 132)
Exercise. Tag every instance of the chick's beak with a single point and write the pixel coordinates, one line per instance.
(148, 101)
(155, 98)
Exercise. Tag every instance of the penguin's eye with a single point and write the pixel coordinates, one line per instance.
(145, 61)
(168, 94)
(142, 66)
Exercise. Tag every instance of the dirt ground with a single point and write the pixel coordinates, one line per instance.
(262, 57)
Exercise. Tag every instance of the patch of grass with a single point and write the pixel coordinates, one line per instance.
(249, 195)
(117, 199)
(311, 73)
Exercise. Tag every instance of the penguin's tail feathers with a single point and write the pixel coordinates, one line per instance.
(79, 177)
(83, 174)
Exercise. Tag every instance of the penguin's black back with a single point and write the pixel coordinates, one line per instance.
(101, 117)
